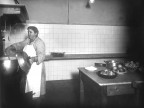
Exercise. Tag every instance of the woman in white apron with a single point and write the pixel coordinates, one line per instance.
(33, 81)
(35, 49)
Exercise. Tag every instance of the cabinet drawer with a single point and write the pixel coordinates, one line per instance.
(119, 89)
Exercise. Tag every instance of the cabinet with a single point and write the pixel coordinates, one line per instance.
(47, 11)
(102, 12)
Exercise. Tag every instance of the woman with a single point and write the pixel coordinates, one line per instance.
(35, 49)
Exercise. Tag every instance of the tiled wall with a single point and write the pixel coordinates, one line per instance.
(67, 69)
(75, 39)
(79, 39)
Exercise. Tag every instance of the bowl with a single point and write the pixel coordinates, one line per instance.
(23, 61)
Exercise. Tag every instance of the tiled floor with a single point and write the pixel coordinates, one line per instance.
(62, 94)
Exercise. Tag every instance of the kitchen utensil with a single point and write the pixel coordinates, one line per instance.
(110, 64)
(23, 61)
(8, 65)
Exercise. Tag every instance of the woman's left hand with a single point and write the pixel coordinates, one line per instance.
(31, 60)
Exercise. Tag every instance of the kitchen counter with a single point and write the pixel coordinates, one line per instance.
(96, 91)
(86, 56)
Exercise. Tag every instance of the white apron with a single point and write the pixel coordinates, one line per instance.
(33, 81)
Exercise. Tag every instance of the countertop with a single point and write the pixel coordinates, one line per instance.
(127, 78)
(86, 56)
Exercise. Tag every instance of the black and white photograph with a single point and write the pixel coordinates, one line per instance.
(71, 53)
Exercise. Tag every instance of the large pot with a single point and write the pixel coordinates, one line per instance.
(8, 65)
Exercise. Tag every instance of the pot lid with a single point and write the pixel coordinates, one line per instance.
(23, 61)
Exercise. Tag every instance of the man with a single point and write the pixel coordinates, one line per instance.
(35, 49)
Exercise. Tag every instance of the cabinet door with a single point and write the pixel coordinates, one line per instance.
(47, 11)
(101, 12)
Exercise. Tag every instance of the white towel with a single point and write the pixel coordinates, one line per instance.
(91, 68)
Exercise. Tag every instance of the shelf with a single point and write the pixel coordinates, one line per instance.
(86, 56)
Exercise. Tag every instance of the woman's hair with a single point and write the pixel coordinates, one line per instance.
(33, 28)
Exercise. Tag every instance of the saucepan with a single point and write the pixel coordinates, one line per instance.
(110, 64)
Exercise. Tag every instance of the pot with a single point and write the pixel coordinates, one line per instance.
(110, 64)
(8, 65)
